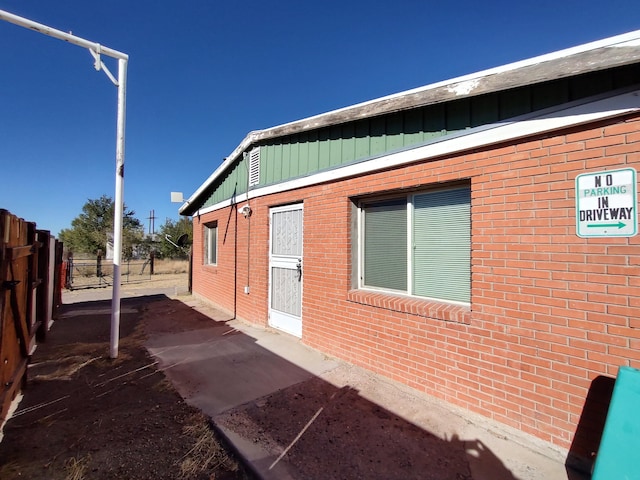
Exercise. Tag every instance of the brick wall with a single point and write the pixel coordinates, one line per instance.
(550, 311)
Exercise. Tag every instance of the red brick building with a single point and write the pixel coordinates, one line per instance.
(452, 238)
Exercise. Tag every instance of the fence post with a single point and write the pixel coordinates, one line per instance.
(43, 313)
(190, 281)
(68, 277)
(99, 264)
(59, 277)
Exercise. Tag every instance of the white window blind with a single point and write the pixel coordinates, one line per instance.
(385, 244)
(442, 245)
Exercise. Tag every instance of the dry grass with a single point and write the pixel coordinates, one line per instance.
(206, 455)
(75, 468)
(65, 368)
(171, 266)
(71, 358)
(10, 470)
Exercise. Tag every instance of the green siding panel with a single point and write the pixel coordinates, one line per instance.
(484, 109)
(549, 94)
(294, 153)
(515, 102)
(458, 115)
(286, 166)
(335, 146)
(363, 137)
(395, 131)
(268, 164)
(325, 149)
(378, 140)
(413, 127)
(434, 121)
(232, 184)
(277, 163)
(303, 154)
(314, 152)
(348, 143)
(309, 152)
(243, 176)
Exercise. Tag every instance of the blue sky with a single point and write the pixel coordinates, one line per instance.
(203, 73)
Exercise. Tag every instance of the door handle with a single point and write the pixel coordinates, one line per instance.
(299, 268)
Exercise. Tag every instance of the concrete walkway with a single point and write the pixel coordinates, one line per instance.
(228, 366)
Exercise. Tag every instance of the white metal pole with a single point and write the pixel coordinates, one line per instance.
(118, 207)
(67, 37)
(96, 50)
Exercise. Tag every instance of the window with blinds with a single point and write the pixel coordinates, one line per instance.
(211, 244)
(385, 244)
(419, 244)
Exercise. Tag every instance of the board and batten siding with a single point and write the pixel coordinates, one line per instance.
(308, 152)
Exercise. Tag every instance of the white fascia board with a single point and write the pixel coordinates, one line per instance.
(486, 136)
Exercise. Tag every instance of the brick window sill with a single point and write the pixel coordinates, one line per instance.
(447, 312)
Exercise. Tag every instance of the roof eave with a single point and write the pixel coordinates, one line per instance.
(600, 55)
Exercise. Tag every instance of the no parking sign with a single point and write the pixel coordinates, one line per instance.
(606, 204)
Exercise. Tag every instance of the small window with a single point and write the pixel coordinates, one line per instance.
(418, 244)
(211, 244)
(254, 167)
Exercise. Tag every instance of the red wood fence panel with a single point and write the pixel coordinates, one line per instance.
(28, 299)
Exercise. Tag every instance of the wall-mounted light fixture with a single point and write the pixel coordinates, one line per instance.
(246, 211)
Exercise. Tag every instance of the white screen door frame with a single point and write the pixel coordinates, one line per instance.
(285, 268)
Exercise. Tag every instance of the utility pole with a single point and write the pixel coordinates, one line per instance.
(152, 226)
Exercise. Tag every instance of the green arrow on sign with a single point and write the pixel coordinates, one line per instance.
(604, 225)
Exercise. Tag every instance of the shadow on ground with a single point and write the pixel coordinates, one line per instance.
(285, 419)
(85, 415)
(267, 395)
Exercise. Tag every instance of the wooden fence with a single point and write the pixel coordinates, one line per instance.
(30, 293)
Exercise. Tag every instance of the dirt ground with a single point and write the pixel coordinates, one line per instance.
(323, 432)
(319, 429)
(85, 416)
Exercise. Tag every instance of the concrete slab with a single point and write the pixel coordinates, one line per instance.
(221, 367)
(232, 370)
(217, 371)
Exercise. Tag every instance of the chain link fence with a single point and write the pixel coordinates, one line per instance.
(95, 272)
